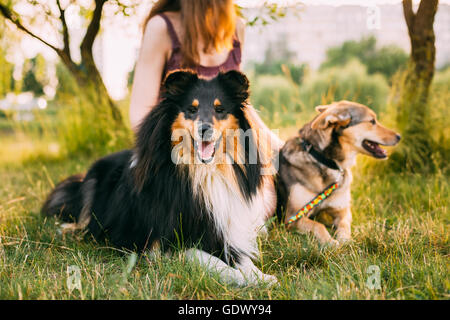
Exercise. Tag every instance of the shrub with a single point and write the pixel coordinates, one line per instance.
(276, 97)
(385, 60)
(425, 144)
(295, 72)
(349, 82)
(281, 100)
(82, 126)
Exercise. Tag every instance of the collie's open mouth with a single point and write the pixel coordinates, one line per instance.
(374, 149)
(206, 149)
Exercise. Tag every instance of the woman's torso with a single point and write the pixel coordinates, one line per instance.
(174, 61)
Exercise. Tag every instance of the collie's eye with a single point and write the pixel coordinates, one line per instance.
(220, 109)
(373, 121)
(192, 110)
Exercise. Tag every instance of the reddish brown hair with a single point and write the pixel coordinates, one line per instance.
(211, 21)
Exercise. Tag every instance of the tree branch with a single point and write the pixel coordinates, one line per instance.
(92, 31)
(427, 10)
(14, 18)
(408, 13)
(65, 30)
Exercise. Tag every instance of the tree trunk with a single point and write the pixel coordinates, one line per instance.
(86, 74)
(92, 86)
(422, 38)
(412, 111)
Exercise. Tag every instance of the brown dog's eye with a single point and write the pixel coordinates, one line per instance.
(373, 121)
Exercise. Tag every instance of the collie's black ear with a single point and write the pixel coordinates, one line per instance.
(177, 82)
(236, 83)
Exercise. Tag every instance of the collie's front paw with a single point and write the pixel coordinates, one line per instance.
(269, 280)
(258, 277)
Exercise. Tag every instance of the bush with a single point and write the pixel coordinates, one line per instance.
(425, 144)
(82, 126)
(349, 82)
(349, 50)
(386, 60)
(295, 72)
(276, 97)
(281, 101)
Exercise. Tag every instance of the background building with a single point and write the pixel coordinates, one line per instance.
(309, 33)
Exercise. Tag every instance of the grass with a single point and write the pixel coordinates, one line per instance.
(400, 225)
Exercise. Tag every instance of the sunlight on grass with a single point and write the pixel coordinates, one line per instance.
(400, 224)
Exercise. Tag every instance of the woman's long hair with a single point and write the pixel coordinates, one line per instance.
(212, 21)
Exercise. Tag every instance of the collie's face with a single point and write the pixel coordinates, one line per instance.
(208, 116)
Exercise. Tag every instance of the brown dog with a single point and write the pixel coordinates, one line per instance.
(322, 154)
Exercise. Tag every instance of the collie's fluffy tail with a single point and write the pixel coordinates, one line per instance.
(65, 201)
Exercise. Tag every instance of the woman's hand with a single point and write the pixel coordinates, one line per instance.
(155, 49)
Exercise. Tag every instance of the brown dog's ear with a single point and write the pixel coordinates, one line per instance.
(323, 108)
(236, 83)
(178, 81)
(331, 117)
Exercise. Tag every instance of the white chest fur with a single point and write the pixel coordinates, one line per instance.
(236, 218)
(341, 198)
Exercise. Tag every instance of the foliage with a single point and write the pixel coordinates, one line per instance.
(277, 98)
(83, 128)
(67, 85)
(35, 75)
(52, 15)
(278, 60)
(425, 144)
(385, 60)
(281, 67)
(6, 68)
(268, 12)
(348, 82)
(281, 99)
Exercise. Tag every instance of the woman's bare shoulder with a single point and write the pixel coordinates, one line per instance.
(240, 28)
(156, 33)
(156, 26)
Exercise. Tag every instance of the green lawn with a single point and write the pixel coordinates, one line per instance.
(400, 225)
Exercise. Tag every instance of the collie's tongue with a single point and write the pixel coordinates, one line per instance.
(206, 149)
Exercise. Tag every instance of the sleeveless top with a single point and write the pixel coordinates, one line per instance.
(231, 63)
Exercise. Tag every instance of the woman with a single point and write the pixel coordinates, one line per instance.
(203, 35)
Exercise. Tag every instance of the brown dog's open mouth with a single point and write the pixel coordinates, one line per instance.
(374, 149)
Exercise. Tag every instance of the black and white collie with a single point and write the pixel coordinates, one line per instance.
(195, 176)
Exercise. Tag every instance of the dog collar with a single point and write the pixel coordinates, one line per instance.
(308, 147)
(313, 203)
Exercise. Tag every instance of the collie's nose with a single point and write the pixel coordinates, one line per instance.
(398, 137)
(205, 131)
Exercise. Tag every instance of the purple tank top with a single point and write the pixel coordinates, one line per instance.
(232, 62)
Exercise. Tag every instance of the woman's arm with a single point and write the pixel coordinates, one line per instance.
(155, 49)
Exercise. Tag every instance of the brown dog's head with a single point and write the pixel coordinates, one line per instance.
(356, 128)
